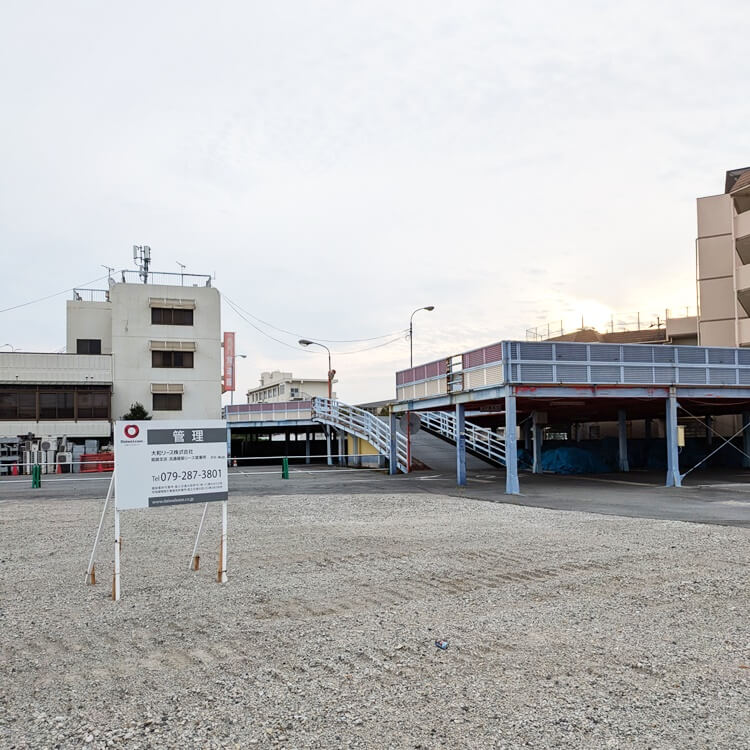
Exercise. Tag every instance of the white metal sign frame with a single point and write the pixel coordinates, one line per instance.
(167, 462)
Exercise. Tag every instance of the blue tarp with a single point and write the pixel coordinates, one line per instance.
(601, 456)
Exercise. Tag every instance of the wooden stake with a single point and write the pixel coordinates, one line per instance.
(92, 577)
(196, 562)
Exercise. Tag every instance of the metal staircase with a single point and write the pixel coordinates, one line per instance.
(362, 424)
(480, 440)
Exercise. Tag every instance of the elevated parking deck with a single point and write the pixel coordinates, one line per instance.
(565, 382)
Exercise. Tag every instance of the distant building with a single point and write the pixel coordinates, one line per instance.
(723, 263)
(278, 386)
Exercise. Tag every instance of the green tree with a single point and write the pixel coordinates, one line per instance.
(137, 411)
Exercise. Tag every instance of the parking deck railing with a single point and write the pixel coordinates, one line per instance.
(269, 412)
(576, 363)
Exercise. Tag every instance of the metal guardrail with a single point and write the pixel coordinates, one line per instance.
(266, 412)
(362, 424)
(91, 295)
(478, 439)
(577, 363)
(168, 278)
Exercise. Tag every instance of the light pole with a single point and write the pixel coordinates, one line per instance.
(331, 372)
(429, 308)
(235, 357)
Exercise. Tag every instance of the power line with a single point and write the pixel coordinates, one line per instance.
(239, 312)
(317, 338)
(56, 294)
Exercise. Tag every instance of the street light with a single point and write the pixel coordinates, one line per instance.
(429, 308)
(235, 357)
(331, 372)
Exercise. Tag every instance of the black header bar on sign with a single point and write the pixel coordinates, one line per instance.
(206, 497)
(183, 435)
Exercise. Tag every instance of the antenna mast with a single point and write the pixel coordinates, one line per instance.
(142, 257)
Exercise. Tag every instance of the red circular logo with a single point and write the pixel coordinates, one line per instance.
(131, 430)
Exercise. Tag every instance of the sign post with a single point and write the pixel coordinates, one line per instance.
(170, 463)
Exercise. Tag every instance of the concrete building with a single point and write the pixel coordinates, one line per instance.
(155, 343)
(278, 387)
(723, 263)
(165, 342)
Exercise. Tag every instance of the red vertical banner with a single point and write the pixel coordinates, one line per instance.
(228, 379)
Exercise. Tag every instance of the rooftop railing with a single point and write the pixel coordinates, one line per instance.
(91, 295)
(167, 278)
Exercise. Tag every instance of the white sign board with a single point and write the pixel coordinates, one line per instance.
(168, 462)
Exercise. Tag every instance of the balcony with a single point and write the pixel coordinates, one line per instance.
(743, 287)
(742, 235)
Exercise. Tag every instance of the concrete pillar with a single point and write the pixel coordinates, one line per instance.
(537, 431)
(746, 439)
(622, 437)
(356, 458)
(307, 447)
(511, 451)
(674, 479)
(460, 445)
(392, 448)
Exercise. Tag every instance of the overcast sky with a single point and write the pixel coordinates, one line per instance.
(338, 164)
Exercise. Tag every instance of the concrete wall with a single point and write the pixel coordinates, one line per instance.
(82, 429)
(88, 320)
(132, 333)
(39, 367)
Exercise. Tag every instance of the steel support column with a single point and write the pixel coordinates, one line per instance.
(709, 431)
(307, 447)
(460, 445)
(342, 460)
(511, 451)
(393, 445)
(674, 479)
(538, 435)
(746, 439)
(329, 458)
(622, 438)
(526, 430)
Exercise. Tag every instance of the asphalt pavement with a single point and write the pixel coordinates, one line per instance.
(714, 498)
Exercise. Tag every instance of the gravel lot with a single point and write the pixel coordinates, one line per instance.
(566, 630)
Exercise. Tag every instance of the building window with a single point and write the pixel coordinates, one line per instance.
(171, 359)
(88, 346)
(171, 316)
(93, 405)
(53, 403)
(167, 401)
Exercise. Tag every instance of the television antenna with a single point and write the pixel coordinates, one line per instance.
(182, 271)
(109, 272)
(142, 257)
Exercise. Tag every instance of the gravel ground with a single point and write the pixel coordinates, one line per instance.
(565, 630)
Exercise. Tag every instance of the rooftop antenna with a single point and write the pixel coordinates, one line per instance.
(109, 272)
(182, 272)
(142, 257)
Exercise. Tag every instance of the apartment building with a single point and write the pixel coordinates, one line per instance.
(278, 386)
(723, 263)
